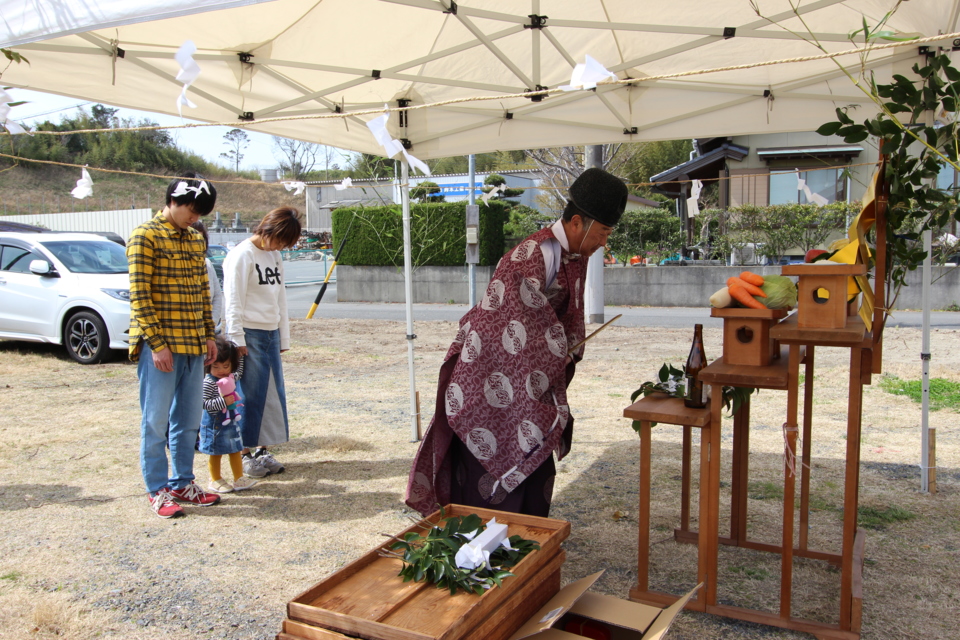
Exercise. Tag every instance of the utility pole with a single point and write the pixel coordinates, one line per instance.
(593, 291)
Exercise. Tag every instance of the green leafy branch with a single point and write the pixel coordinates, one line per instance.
(868, 87)
(431, 557)
(671, 381)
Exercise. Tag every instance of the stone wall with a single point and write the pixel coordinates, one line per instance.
(685, 286)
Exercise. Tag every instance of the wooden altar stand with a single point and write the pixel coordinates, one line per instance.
(783, 374)
(823, 319)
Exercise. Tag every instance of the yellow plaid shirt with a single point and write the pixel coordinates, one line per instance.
(169, 289)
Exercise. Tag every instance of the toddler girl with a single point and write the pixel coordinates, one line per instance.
(220, 424)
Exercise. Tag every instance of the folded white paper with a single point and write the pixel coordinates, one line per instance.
(477, 552)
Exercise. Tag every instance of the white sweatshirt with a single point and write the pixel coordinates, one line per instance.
(253, 286)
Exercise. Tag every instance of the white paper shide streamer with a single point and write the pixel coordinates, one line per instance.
(378, 127)
(299, 186)
(587, 74)
(345, 184)
(84, 186)
(815, 198)
(189, 70)
(10, 125)
(500, 188)
(693, 202)
(183, 189)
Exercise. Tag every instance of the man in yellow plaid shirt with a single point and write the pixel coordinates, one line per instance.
(171, 339)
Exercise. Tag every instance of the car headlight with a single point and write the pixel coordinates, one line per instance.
(119, 294)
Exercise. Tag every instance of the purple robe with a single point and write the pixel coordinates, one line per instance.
(503, 383)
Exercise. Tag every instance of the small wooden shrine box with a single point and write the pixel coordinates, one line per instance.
(746, 335)
(367, 599)
(822, 293)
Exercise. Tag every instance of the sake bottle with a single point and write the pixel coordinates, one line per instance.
(696, 361)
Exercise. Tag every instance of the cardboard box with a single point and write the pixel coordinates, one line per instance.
(626, 620)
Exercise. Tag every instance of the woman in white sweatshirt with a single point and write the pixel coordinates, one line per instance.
(256, 321)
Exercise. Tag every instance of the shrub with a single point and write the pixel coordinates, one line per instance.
(437, 234)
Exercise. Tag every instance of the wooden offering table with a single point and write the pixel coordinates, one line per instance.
(665, 409)
(797, 347)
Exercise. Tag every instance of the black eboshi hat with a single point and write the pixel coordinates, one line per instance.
(600, 195)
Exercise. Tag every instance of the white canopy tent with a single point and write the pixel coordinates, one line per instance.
(306, 58)
(329, 59)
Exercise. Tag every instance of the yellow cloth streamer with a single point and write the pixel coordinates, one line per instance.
(857, 251)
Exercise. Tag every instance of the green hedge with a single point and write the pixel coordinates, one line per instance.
(437, 234)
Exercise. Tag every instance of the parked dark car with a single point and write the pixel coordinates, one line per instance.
(216, 253)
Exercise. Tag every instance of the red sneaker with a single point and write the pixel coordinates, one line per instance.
(164, 506)
(193, 494)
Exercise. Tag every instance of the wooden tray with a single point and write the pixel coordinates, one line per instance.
(367, 599)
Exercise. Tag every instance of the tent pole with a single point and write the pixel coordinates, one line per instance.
(472, 199)
(408, 294)
(928, 436)
(593, 291)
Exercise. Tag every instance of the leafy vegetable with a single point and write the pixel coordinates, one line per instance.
(781, 292)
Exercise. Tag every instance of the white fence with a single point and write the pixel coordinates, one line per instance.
(121, 221)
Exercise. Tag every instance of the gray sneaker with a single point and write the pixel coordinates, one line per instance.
(265, 458)
(253, 468)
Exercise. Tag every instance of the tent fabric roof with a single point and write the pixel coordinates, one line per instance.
(306, 58)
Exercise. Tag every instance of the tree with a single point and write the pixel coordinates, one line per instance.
(495, 180)
(651, 233)
(646, 159)
(236, 140)
(558, 167)
(367, 165)
(298, 158)
(426, 191)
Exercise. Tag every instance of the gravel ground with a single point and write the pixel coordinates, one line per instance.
(82, 556)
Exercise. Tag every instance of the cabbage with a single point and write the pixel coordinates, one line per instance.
(781, 292)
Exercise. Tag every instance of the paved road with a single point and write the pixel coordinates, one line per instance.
(300, 297)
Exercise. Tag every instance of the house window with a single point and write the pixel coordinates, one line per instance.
(947, 179)
(829, 183)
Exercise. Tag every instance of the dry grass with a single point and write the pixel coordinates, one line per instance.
(82, 556)
(32, 188)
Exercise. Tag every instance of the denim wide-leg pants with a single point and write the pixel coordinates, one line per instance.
(172, 405)
(264, 396)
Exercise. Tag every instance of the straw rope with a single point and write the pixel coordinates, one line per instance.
(280, 184)
(524, 94)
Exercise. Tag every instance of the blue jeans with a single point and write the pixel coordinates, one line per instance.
(264, 394)
(172, 405)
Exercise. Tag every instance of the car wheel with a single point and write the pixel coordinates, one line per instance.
(86, 339)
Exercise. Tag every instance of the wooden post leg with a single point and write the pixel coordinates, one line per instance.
(789, 482)
(805, 456)
(643, 543)
(685, 480)
(710, 497)
(741, 474)
(851, 489)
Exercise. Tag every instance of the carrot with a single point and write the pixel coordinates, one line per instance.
(752, 278)
(751, 289)
(740, 294)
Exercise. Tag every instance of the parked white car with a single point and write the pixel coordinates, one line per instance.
(65, 288)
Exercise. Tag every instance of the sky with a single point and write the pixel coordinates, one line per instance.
(207, 142)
